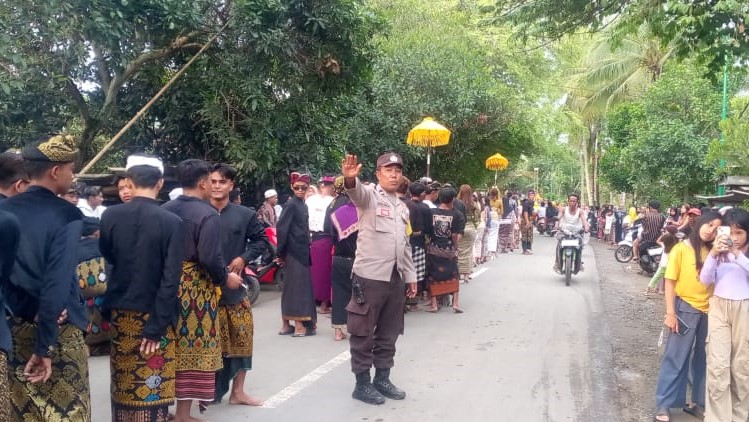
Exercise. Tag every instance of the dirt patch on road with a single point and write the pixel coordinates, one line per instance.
(634, 321)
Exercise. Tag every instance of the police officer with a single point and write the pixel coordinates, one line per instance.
(382, 265)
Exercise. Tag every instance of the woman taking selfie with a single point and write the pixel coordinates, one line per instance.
(686, 319)
(727, 268)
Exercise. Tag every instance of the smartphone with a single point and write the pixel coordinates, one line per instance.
(682, 328)
(725, 231)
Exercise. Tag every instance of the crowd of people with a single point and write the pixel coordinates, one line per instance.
(158, 286)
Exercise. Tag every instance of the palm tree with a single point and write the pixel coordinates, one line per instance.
(616, 69)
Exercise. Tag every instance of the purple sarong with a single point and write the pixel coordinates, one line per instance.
(321, 252)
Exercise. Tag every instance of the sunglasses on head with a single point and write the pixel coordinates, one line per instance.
(300, 187)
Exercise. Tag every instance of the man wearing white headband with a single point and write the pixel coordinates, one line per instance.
(143, 243)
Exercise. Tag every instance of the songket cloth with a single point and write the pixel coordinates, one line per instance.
(526, 231)
(142, 387)
(5, 411)
(465, 250)
(237, 328)
(442, 270)
(506, 238)
(321, 251)
(92, 279)
(420, 265)
(65, 397)
(198, 352)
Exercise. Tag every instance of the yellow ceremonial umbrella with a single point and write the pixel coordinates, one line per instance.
(496, 162)
(428, 134)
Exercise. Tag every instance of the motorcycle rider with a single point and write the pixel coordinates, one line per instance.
(652, 225)
(571, 219)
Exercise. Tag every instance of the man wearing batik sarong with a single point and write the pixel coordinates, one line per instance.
(9, 234)
(49, 368)
(527, 217)
(203, 270)
(242, 240)
(143, 244)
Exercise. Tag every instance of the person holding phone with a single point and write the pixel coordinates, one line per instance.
(727, 268)
(686, 302)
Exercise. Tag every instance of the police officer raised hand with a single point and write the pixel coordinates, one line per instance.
(350, 168)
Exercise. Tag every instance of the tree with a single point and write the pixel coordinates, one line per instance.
(714, 30)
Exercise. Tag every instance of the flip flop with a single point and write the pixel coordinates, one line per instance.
(695, 411)
(662, 412)
(457, 310)
(286, 332)
(432, 310)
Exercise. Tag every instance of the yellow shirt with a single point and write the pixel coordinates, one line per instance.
(497, 205)
(682, 267)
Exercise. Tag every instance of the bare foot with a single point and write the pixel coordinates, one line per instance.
(244, 399)
(339, 335)
(188, 419)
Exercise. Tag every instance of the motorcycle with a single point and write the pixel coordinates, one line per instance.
(265, 269)
(624, 250)
(551, 226)
(650, 257)
(570, 254)
(541, 225)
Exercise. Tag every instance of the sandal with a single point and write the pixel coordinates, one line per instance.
(286, 332)
(660, 414)
(694, 410)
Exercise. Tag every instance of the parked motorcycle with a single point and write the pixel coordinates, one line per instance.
(570, 254)
(265, 269)
(650, 257)
(624, 250)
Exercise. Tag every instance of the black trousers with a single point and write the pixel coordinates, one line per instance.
(340, 278)
(375, 325)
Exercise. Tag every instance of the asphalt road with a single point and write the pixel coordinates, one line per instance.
(527, 349)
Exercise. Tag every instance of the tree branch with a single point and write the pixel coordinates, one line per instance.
(134, 66)
(79, 101)
(104, 76)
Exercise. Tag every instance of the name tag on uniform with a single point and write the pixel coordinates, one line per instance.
(383, 212)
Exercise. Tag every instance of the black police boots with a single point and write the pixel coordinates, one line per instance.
(365, 391)
(383, 385)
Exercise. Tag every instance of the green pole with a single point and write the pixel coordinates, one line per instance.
(723, 117)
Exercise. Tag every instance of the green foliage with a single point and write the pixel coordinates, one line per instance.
(711, 30)
(733, 149)
(658, 145)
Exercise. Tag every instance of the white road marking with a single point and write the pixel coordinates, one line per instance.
(305, 381)
(479, 272)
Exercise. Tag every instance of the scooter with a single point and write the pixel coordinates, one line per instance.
(551, 226)
(650, 257)
(624, 250)
(265, 269)
(541, 225)
(570, 254)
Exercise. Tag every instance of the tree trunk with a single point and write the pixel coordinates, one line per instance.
(585, 168)
(595, 185)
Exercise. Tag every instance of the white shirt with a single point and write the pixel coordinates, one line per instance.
(571, 222)
(278, 209)
(541, 212)
(88, 211)
(317, 205)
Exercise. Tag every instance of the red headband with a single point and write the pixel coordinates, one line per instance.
(298, 177)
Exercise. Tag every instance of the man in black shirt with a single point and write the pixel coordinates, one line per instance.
(13, 178)
(203, 269)
(9, 236)
(242, 240)
(49, 356)
(526, 223)
(143, 245)
(418, 241)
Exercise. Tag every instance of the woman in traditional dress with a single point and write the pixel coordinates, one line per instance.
(442, 253)
(465, 247)
(297, 299)
(492, 229)
(478, 244)
(506, 225)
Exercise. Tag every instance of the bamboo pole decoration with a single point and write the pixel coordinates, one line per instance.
(148, 105)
